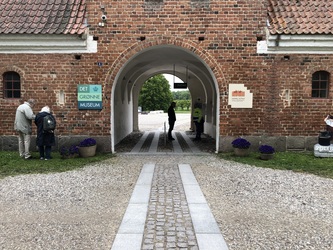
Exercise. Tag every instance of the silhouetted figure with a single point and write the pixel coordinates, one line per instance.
(172, 119)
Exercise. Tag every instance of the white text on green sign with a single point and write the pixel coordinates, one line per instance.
(89, 96)
(89, 93)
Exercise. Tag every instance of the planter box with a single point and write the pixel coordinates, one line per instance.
(266, 156)
(241, 151)
(87, 151)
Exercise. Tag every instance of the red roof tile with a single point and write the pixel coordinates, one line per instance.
(42, 16)
(300, 16)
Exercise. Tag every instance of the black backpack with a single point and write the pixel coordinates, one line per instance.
(49, 123)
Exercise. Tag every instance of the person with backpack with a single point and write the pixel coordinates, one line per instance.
(46, 125)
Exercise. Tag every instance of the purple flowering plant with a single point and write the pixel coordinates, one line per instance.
(241, 143)
(69, 151)
(266, 149)
(87, 142)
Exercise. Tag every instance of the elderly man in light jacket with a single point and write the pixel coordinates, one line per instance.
(23, 120)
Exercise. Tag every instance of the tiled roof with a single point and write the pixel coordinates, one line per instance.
(42, 16)
(300, 16)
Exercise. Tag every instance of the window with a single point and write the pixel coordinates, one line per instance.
(11, 85)
(320, 83)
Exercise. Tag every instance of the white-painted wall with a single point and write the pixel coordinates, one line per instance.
(123, 113)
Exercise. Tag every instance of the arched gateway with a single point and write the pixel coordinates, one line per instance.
(144, 60)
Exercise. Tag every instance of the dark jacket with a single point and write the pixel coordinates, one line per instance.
(171, 114)
(43, 138)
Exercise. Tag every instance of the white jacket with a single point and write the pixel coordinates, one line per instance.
(23, 118)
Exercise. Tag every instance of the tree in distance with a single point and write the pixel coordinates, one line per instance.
(155, 94)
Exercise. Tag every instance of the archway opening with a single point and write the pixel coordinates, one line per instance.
(154, 102)
(154, 60)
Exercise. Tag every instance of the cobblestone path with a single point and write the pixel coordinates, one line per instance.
(168, 224)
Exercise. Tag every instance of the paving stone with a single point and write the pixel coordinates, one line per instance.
(170, 212)
(171, 245)
(159, 245)
(148, 247)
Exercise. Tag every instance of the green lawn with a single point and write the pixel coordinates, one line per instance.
(304, 162)
(11, 164)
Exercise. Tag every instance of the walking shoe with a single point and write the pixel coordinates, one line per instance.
(28, 158)
(42, 158)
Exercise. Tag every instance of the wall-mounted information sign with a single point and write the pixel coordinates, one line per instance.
(89, 96)
(180, 85)
(240, 96)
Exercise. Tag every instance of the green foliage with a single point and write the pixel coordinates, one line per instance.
(183, 104)
(181, 95)
(11, 164)
(296, 161)
(183, 99)
(182, 111)
(155, 94)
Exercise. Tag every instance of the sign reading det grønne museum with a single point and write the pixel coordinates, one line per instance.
(89, 96)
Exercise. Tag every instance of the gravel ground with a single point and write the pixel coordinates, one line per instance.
(73, 210)
(259, 208)
(256, 208)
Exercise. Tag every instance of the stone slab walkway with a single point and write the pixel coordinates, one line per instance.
(167, 210)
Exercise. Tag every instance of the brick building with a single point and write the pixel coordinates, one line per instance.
(262, 68)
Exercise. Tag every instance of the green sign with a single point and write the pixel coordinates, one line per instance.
(89, 96)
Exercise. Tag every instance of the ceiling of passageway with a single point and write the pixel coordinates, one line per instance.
(163, 59)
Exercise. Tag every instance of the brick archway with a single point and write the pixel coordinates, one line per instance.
(183, 43)
(117, 75)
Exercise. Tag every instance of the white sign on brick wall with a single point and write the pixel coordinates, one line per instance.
(239, 96)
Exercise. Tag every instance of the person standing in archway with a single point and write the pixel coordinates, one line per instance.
(198, 120)
(172, 120)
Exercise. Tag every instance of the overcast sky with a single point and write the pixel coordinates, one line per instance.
(171, 79)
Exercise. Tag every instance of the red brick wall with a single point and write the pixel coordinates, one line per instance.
(230, 30)
(42, 77)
